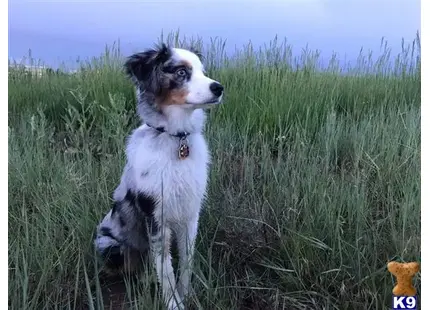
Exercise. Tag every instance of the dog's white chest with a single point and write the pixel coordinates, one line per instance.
(180, 184)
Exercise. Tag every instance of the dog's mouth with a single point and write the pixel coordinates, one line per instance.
(215, 101)
(208, 104)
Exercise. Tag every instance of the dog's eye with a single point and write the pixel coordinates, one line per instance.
(181, 72)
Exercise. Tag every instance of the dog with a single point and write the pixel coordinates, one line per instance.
(164, 181)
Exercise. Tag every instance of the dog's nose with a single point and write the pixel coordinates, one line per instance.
(216, 89)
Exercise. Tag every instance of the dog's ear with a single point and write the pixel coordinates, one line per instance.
(141, 66)
(164, 53)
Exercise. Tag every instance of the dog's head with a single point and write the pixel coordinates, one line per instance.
(173, 76)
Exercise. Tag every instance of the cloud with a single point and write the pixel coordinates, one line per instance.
(341, 25)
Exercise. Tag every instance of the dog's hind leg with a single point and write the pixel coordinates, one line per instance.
(121, 238)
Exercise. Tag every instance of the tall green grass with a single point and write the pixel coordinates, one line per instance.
(314, 184)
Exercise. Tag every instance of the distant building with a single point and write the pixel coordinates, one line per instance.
(39, 70)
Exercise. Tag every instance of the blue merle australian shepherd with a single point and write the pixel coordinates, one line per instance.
(164, 180)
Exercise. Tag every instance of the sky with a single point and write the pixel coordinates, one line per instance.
(65, 31)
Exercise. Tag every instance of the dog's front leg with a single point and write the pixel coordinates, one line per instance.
(160, 249)
(186, 236)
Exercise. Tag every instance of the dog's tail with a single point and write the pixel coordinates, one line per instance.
(113, 244)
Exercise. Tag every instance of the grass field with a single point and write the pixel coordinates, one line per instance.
(314, 185)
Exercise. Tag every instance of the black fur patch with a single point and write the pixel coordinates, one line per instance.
(164, 53)
(146, 204)
(139, 65)
(113, 257)
(121, 221)
(143, 66)
(173, 84)
(130, 197)
(171, 68)
(106, 231)
(152, 225)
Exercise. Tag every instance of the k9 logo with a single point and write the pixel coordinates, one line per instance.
(404, 302)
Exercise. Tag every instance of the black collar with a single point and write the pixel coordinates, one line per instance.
(181, 134)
